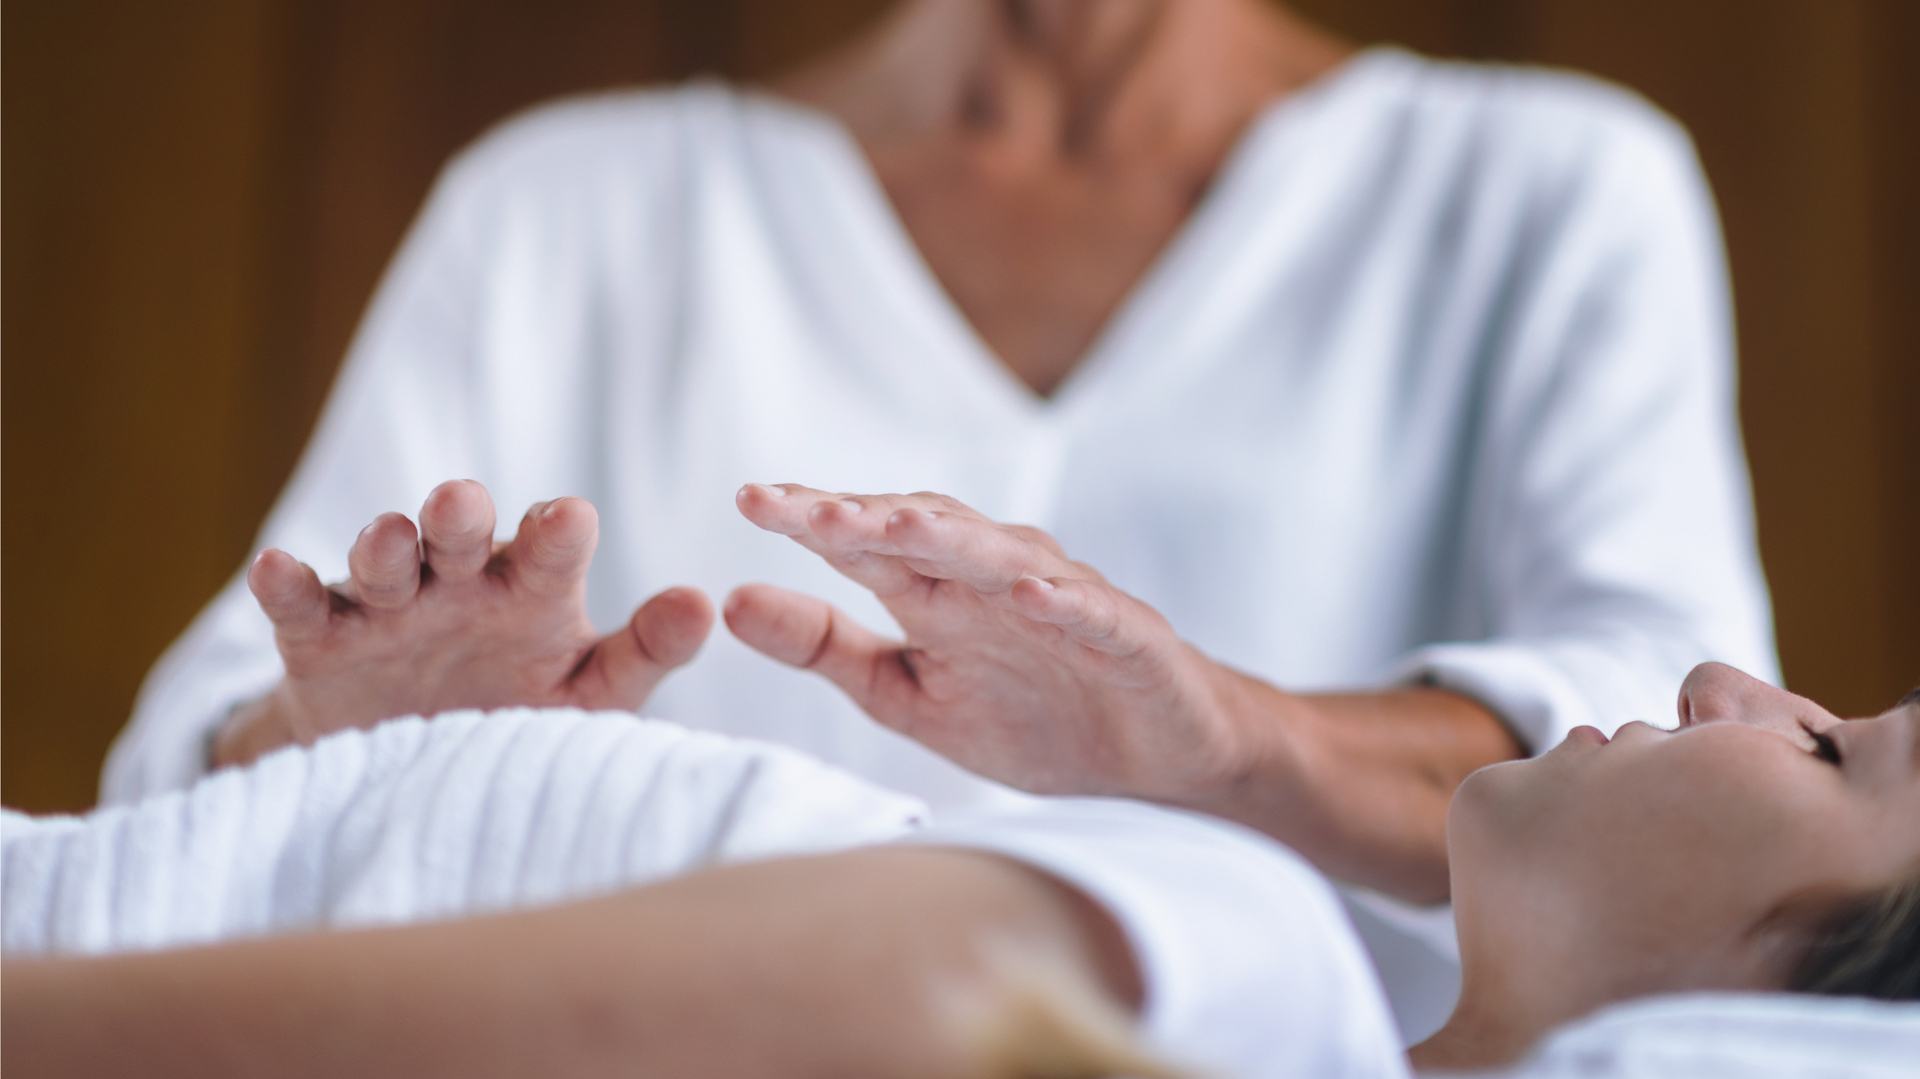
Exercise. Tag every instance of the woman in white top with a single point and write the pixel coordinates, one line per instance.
(1401, 391)
(1764, 844)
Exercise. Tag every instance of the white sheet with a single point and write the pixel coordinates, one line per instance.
(417, 820)
(1735, 1036)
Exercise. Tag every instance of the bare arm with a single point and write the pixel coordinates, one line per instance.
(829, 966)
(1029, 668)
(1359, 783)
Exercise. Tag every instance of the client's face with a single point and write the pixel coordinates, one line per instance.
(1674, 854)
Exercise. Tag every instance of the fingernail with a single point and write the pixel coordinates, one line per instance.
(1042, 582)
(850, 507)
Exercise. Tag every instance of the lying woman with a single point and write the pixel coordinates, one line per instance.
(1764, 844)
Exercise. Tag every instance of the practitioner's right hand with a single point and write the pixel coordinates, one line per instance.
(448, 618)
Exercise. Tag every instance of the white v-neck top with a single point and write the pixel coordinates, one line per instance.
(1436, 384)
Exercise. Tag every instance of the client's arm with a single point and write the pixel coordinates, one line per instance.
(1031, 669)
(850, 964)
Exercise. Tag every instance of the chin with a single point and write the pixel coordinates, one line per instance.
(1498, 805)
(1498, 782)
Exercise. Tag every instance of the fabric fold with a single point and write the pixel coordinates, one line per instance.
(418, 820)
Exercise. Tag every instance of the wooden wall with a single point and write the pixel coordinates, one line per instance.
(198, 197)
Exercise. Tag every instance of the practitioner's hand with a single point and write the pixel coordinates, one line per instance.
(1018, 664)
(447, 618)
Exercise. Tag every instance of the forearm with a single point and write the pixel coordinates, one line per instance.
(822, 966)
(1358, 783)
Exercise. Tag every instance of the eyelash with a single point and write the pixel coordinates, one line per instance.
(1824, 747)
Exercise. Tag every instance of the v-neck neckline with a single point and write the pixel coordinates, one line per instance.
(1145, 300)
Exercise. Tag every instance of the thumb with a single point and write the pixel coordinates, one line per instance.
(809, 633)
(664, 633)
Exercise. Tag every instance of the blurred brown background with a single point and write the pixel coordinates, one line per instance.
(200, 195)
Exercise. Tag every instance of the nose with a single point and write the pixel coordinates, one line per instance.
(1717, 693)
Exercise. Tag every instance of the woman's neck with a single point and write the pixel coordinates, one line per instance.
(1042, 153)
(1523, 976)
(1080, 77)
(1520, 977)
(1480, 1034)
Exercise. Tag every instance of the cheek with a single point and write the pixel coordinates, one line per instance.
(1581, 819)
(1720, 829)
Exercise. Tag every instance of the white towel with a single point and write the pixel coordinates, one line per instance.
(416, 820)
(1734, 1036)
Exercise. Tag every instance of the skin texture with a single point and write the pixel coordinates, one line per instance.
(1663, 861)
(833, 966)
(444, 617)
(1029, 668)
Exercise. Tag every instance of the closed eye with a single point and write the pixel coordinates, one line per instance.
(1824, 747)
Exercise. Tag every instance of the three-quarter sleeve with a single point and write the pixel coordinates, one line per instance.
(1610, 521)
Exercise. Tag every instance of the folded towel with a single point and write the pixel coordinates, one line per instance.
(417, 820)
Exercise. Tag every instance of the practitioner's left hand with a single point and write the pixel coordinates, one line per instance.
(1019, 664)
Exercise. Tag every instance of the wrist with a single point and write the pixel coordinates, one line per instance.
(252, 729)
(1264, 738)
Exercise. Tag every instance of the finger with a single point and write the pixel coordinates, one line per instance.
(786, 509)
(550, 554)
(975, 552)
(854, 550)
(456, 529)
(1041, 539)
(384, 565)
(853, 522)
(809, 633)
(1095, 614)
(859, 522)
(664, 633)
(291, 595)
(780, 507)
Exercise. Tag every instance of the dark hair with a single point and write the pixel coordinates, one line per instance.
(1871, 948)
